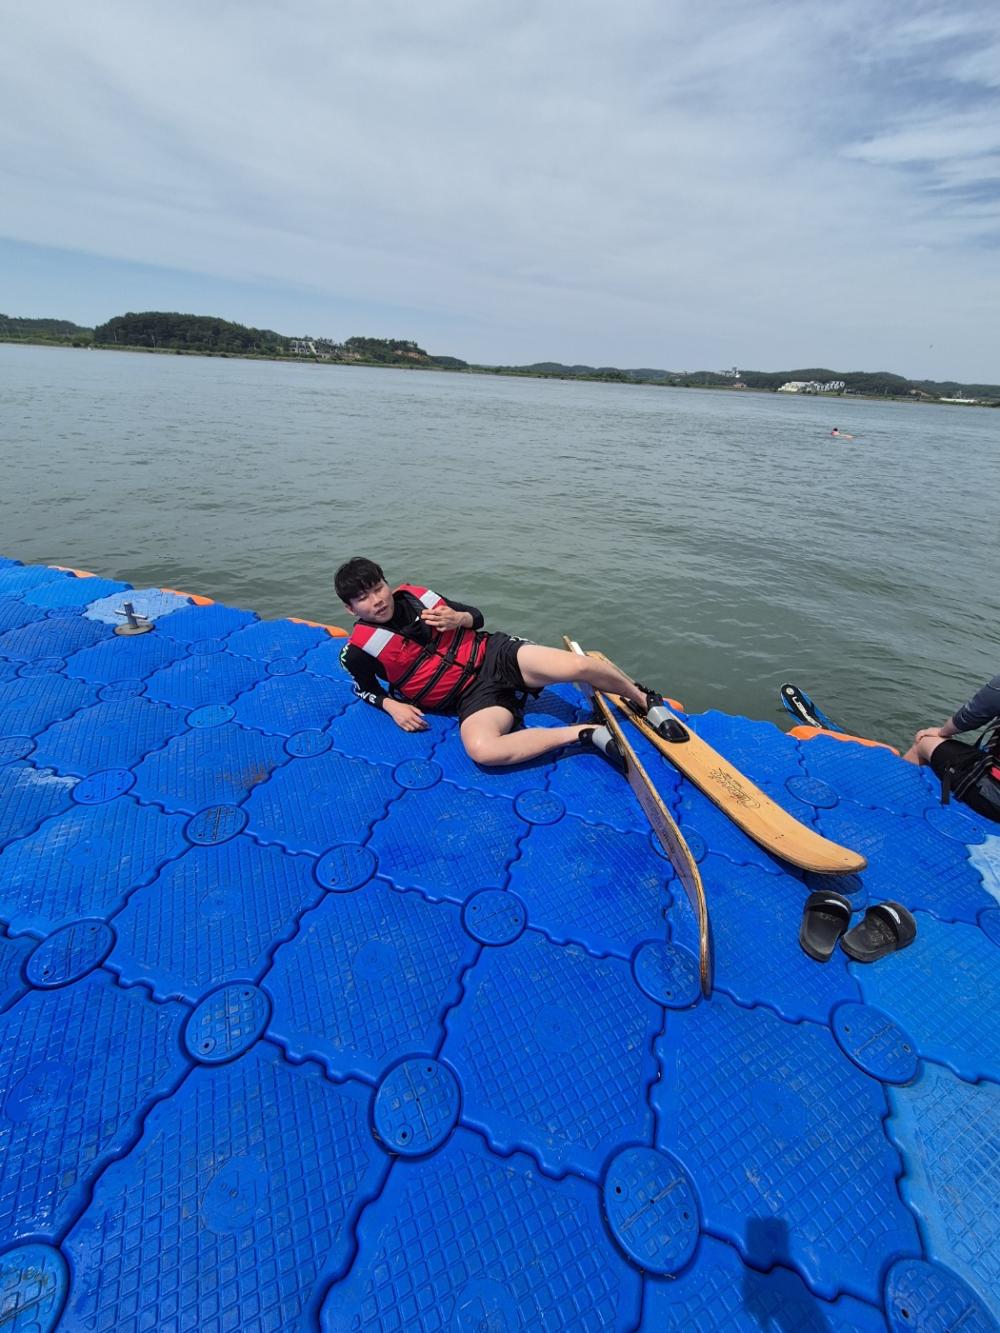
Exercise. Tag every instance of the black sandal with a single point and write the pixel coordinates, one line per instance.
(825, 917)
(886, 928)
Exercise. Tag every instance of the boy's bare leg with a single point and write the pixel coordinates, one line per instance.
(554, 666)
(922, 748)
(488, 738)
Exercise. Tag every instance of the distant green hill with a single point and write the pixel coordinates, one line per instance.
(869, 383)
(34, 330)
(169, 331)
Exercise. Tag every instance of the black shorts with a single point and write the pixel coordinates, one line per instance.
(499, 683)
(955, 760)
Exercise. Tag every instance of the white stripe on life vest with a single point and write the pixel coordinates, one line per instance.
(378, 640)
(429, 598)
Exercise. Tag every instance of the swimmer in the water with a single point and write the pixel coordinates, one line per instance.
(841, 434)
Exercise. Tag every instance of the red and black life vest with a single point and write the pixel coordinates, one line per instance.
(430, 675)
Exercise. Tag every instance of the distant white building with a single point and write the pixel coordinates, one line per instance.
(813, 386)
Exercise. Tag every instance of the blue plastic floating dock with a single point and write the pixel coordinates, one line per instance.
(309, 1023)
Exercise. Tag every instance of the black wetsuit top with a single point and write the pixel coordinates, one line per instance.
(982, 709)
(368, 671)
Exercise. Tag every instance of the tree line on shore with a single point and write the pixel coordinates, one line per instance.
(167, 331)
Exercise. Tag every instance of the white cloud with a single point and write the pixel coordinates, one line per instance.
(648, 185)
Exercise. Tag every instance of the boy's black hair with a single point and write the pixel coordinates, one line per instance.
(356, 576)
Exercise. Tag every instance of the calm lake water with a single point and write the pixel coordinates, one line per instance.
(713, 543)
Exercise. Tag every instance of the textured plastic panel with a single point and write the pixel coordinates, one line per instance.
(556, 706)
(367, 979)
(875, 1043)
(14, 613)
(115, 734)
(103, 786)
(521, 1252)
(787, 1131)
(949, 1134)
(215, 914)
(867, 776)
(457, 767)
(234, 1211)
(14, 582)
(27, 796)
(371, 734)
(324, 659)
(415, 1107)
(651, 1208)
(286, 705)
(959, 823)
(69, 954)
(448, 842)
(311, 804)
(494, 917)
(944, 990)
(719, 1292)
(927, 1298)
(217, 766)
(124, 658)
(203, 678)
(986, 859)
(74, 592)
(908, 861)
(79, 1067)
(226, 1023)
(755, 930)
(27, 707)
(194, 623)
(13, 748)
(152, 603)
(84, 862)
(55, 636)
(591, 789)
(592, 885)
(545, 1069)
(267, 640)
(13, 956)
(668, 974)
(33, 1282)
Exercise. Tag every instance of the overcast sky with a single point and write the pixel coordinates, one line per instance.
(772, 185)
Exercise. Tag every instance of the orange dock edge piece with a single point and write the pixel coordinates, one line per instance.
(334, 630)
(807, 733)
(80, 573)
(195, 597)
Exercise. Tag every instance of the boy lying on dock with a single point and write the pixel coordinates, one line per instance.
(435, 655)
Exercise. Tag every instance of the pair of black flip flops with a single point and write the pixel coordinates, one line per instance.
(886, 928)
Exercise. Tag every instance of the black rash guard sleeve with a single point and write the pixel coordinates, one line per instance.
(983, 707)
(367, 670)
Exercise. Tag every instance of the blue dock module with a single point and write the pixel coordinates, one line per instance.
(308, 1023)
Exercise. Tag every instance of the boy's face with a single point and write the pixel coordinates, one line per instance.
(376, 603)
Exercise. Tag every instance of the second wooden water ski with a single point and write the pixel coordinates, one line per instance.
(747, 806)
(662, 822)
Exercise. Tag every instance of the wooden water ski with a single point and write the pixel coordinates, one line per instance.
(663, 825)
(747, 806)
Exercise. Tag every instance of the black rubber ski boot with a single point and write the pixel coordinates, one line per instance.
(600, 738)
(656, 714)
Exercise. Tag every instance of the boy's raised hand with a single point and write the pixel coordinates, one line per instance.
(444, 617)
(407, 716)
